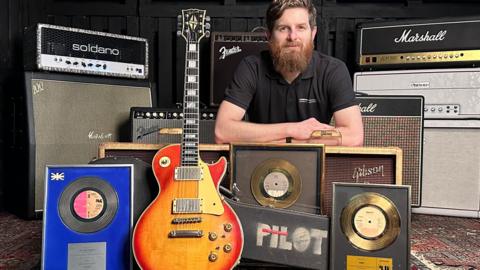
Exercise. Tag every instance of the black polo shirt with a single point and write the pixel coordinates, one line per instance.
(325, 87)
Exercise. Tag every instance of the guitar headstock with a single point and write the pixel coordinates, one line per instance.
(193, 25)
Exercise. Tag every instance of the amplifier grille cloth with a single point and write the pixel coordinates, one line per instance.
(401, 132)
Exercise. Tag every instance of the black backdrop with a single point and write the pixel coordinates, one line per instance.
(156, 21)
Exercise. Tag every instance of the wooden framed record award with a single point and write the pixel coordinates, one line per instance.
(285, 176)
(370, 227)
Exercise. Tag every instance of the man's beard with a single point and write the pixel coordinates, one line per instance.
(286, 60)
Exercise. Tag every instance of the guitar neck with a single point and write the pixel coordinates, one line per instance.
(191, 106)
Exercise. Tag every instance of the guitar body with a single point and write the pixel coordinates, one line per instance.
(221, 241)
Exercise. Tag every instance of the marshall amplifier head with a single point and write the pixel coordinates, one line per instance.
(228, 49)
(158, 125)
(65, 49)
(397, 121)
(413, 43)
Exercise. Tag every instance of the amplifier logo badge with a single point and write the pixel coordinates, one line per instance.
(420, 84)
(95, 49)
(370, 108)
(407, 37)
(360, 172)
(92, 135)
(227, 52)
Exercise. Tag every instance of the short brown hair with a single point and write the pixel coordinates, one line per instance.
(277, 7)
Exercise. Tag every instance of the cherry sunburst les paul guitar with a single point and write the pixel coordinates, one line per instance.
(188, 225)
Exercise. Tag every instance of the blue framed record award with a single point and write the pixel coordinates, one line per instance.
(88, 217)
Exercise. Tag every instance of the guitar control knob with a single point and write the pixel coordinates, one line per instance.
(212, 236)
(212, 257)
(228, 227)
(227, 248)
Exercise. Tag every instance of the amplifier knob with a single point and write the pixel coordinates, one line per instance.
(212, 257)
(162, 115)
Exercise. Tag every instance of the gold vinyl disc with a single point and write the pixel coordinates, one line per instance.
(370, 221)
(276, 183)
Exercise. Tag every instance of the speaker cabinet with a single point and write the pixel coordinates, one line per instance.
(228, 49)
(397, 121)
(451, 168)
(374, 165)
(148, 122)
(61, 119)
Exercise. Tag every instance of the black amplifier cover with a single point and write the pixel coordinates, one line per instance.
(283, 236)
(228, 49)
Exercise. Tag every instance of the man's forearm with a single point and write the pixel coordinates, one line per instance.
(241, 131)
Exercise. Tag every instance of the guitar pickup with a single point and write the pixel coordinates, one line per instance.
(185, 234)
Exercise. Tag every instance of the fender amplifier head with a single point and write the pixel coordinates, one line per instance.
(148, 124)
(228, 49)
(397, 121)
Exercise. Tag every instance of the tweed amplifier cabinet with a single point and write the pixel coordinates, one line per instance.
(61, 119)
(374, 165)
(149, 123)
(209, 153)
(413, 43)
(397, 121)
(228, 49)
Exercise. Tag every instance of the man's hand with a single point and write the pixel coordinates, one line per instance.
(303, 130)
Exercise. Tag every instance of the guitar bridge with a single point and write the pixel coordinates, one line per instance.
(185, 234)
(187, 220)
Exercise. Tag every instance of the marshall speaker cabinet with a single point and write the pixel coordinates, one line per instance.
(65, 49)
(451, 163)
(228, 49)
(414, 43)
(61, 119)
(397, 121)
(157, 125)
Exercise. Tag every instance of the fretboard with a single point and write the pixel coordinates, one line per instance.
(190, 137)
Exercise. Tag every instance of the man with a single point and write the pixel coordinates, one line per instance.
(289, 91)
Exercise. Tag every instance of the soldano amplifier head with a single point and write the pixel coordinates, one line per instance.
(375, 165)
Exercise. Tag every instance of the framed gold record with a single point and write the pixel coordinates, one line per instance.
(276, 183)
(370, 221)
(370, 226)
(285, 176)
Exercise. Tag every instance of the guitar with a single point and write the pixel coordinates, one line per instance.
(188, 225)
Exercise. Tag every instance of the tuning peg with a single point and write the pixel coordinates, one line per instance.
(179, 33)
(207, 34)
(207, 26)
(207, 18)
